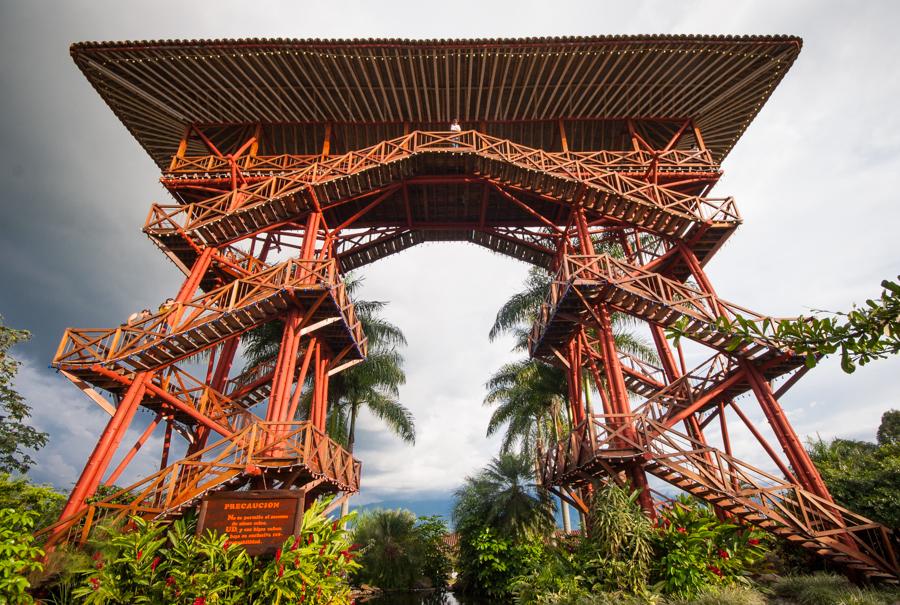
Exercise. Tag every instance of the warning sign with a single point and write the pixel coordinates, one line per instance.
(259, 520)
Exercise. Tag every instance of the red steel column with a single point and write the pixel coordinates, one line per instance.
(796, 454)
(109, 440)
(117, 426)
(620, 403)
(284, 368)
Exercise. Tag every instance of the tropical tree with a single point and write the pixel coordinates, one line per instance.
(528, 392)
(861, 475)
(401, 551)
(502, 518)
(504, 497)
(373, 384)
(530, 395)
(15, 434)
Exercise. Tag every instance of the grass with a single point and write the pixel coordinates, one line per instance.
(829, 589)
(725, 595)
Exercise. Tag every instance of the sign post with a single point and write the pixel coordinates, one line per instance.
(259, 520)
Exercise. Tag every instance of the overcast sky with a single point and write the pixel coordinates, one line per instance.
(815, 177)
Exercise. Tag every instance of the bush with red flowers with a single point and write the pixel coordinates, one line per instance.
(157, 565)
(695, 550)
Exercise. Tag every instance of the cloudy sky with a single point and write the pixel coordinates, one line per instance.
(816, 178)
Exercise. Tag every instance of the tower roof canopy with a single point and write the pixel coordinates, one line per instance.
(157, 88)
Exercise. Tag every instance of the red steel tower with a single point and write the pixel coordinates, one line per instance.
(291, 162)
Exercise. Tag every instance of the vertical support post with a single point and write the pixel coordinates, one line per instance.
(284, 368)
(326, 142)
(574, 381)
(109, 440)
(167, 443)
(620, 403)
(798, 458)
(562, 136)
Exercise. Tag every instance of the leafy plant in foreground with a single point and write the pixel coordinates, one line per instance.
(155, 565)
(18, 555)
(695, 550)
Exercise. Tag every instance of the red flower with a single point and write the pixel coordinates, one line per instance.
(723, 554)
(99, 565)
(95, 583)
(199, 601)
(681, 530)
(97, 556)
(353, 547)
(295, 545)
(715, 570)
(334, 526)
(753, 542)
(280, 570)
(154, 563)
(140, 553)
(170, 580)
(278, 555)
(310, 539)
(226, 544)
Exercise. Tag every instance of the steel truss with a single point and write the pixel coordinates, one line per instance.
(335, 213)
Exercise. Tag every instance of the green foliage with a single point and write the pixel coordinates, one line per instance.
(864, 477)
(828, 589)
(502, 519)
(373, 384)
(15, 434)
(862, 334)
(612, 563)
(724, 595)
(437, 561)
(400, 551)
(889, 430)
(504, 497)
(155, 565)
(695, 550)
(19, 493)
(18, 555)
(617, 552)
(494, 562)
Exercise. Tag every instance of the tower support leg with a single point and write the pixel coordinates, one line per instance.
(112, 435)
(620, 403)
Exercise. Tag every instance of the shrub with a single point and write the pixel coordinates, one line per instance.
(695, 550)
(725, 595)
(830, 589)
(617, 551)
(154, 565)
(19, 493)
(493, 562)
(18, 555)
(437, 561)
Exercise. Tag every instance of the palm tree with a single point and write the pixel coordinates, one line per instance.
(530, 394)
(373, 384)
(504, 497)
(391, 554)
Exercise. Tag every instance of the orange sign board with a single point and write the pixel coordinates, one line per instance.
(258, 520)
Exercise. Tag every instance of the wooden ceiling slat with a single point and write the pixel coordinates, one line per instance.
(155, 87)
(567, 60)
(350, 70)
(309, 96)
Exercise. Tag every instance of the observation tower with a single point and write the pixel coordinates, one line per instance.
(291, 162)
